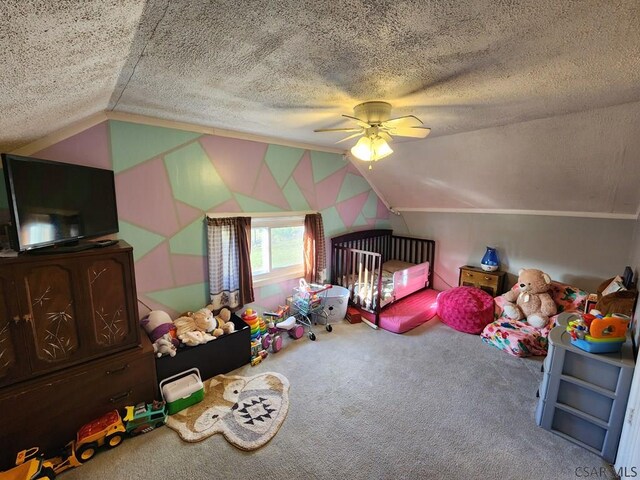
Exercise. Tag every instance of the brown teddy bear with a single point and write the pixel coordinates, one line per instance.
(532, 300)
(222, 323)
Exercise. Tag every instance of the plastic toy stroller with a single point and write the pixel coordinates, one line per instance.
(308, 306)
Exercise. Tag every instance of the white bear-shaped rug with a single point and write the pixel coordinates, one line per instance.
(248, 411)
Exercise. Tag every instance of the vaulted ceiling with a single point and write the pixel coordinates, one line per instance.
(533, 105)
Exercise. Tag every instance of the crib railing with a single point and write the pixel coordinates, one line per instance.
(360, 272)
(413, 250)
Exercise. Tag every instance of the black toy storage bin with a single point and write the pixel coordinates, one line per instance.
(221, 355)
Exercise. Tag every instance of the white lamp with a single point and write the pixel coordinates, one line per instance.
(371, 149)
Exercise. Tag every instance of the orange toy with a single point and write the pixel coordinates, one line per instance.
(608, 327)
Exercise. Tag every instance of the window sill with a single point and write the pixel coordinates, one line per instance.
(264, 280)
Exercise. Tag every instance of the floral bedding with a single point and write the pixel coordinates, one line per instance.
(521, 339)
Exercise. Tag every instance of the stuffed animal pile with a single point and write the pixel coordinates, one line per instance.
(532, 300)
(190, 328)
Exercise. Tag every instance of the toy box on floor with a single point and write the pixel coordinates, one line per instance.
(221, 355)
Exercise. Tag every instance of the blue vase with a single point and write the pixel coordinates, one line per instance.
(490, 261)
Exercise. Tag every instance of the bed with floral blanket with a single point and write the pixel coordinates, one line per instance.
(520, 338)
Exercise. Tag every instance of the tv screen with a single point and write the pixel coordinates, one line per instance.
(52, 203)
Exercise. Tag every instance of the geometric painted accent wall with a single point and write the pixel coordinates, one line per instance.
(168, 179)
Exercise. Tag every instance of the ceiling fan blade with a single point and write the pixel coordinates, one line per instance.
(415, 132)
(404, 121)
(360, 122)
(350, 137)
(347, 129)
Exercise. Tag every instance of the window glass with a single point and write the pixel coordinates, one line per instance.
(286, 246)
(277, 247)
(259, 250)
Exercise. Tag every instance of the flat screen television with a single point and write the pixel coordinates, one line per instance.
(54, 203)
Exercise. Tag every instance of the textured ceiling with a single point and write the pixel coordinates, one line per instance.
(283, 68)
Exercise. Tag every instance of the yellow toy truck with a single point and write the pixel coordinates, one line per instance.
(106, 430)
(30, 467)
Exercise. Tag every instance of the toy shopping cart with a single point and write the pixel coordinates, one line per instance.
(307, 306)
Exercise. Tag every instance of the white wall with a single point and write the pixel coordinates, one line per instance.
(579, 251)
(580, 162)
(629, 450)
(634, 261)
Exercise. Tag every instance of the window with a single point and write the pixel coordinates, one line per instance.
(276, 248)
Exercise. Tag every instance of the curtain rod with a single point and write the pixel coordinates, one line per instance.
(258, 214)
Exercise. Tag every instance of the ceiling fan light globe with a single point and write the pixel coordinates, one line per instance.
(371, 149)
(362, 150)
(381, 148)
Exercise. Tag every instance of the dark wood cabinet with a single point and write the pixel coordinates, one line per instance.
(13, 365)
(70, 345)
(61, 310)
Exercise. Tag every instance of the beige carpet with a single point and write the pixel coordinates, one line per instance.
(432, 403)
(247, 411)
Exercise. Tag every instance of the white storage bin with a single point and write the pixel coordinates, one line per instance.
(335, 303)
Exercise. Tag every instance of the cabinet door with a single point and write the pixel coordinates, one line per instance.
(13, 362)
(111, 304)
(47, 296)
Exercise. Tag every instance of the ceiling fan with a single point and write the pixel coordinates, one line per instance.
(376, 127)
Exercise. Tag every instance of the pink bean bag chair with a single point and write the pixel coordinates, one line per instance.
(466, 309)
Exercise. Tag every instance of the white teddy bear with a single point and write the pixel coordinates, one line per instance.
(164, 345)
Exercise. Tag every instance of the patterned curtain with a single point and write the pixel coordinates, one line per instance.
(315, 256)
(228, 253)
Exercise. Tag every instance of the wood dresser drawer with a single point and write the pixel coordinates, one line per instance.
(119, 382)
(490, 282)
(480, 278)
(49, 411)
